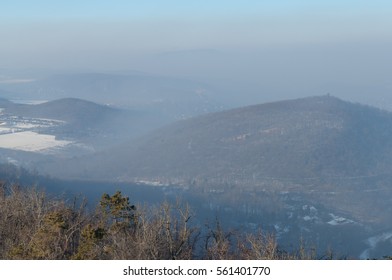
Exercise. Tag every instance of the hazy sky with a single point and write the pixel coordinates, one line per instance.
(279, 45)
(74, 27)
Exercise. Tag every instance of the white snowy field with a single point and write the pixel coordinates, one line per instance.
(31, 141)
(5, 129)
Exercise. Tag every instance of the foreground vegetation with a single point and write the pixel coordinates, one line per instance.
(34, 226)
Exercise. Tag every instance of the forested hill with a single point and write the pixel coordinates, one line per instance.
(303, 138)
(66, 109)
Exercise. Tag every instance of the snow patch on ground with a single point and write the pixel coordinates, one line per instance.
(4, 130)
(25, 134)
(29, 101)
(30, 141)
(311, 213)
(337, 221)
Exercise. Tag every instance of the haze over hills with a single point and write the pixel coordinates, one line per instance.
(168, 98)
(310, 167)
(304, 138)
(315, 167)
(35, 134)
(67, 109)
(4, 102)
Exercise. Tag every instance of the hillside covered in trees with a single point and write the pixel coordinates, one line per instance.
(313, 137)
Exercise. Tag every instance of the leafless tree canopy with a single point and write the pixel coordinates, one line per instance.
(34, 226)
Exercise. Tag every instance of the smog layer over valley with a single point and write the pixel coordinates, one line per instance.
(272, 116)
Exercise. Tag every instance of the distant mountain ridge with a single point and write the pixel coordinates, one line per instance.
(66, 109)
(172, 98)
(304, 138)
